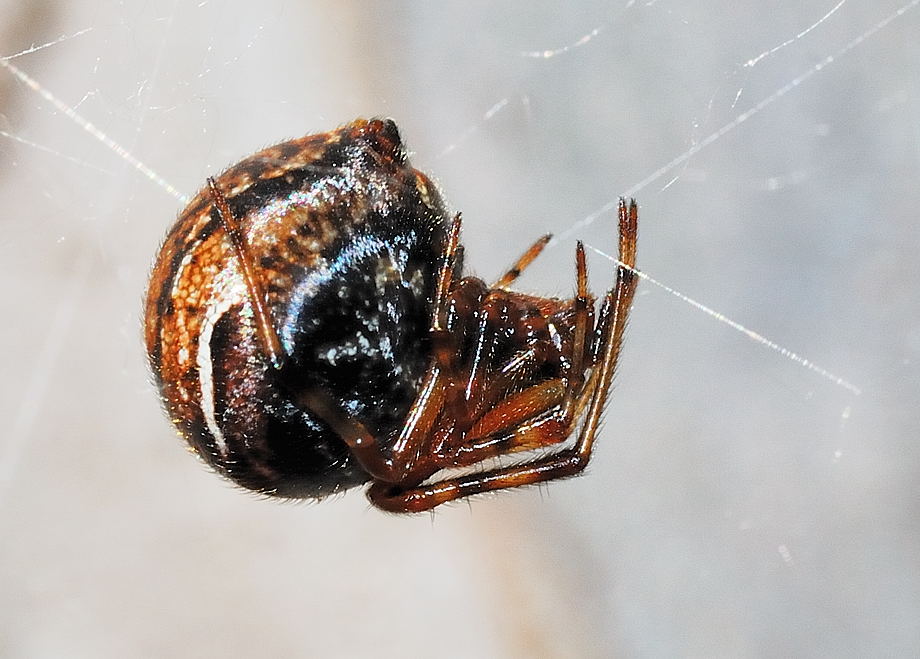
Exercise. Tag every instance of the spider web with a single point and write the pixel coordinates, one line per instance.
(737, 500)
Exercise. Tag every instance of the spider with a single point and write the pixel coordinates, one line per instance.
(310, 328)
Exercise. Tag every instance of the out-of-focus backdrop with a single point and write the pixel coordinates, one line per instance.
(739, 504)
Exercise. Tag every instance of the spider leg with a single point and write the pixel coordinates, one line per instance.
(466, 395)
(523, 261)
(481, 401)
(567, 462)
(270, 342)
(443, 342)
(576, 374)
(482, 385)
(537, 417)
(517, 414)
(498, 414)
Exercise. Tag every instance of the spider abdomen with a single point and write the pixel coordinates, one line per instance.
(346, 238)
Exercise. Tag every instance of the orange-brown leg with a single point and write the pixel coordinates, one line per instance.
(452, 261)
(538, 417)
(481, 407)
(540, 432)
(523, 420)
(270, 342)
(535, 418)
(514, 411)
(525, 259)
(569, 461)
(467, 393)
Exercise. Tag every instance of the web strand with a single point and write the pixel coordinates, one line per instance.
(751, 334)
(90, 128)
(737, 121)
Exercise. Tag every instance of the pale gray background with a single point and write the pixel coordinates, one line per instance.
(739, 505)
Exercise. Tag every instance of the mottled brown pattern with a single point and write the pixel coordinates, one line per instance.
(197, 250)
(195, 224)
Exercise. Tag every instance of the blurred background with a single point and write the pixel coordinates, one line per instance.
(738, 504)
